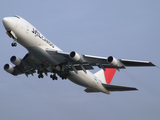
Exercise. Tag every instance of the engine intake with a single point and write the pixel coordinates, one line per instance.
(15, 60)
(75, 56)
(8, 68)
(113, 61)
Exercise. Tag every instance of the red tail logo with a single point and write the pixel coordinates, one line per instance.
(109, 73)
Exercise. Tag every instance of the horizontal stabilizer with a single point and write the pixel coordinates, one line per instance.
(118, 88)
(88, 90)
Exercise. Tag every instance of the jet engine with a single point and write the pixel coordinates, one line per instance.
(15, 60)
(75, 56)
(113, 61)
(9, 68)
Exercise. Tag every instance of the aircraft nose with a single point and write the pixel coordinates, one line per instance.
(9, 23)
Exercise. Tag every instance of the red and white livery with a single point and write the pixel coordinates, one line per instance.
(44, 57)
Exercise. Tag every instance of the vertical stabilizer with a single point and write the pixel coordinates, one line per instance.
(107, 75)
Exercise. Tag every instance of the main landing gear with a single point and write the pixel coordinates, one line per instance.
(40, 74)
(54, 77)
(62, 74)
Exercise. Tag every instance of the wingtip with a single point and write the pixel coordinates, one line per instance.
(152, 64)
(158, 67)
(136, 89)
(133, 89)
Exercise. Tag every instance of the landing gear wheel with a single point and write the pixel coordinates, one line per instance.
(54, 77)
(51, 76)
(40, 76)
(14, 44)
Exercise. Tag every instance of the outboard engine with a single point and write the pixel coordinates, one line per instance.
(8, 68)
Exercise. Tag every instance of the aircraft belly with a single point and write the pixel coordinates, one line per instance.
(76, 79)
(87, 80)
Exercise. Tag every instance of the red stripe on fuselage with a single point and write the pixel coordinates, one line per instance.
(37, 33)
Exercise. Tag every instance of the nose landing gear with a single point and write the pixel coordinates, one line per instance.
(14, 44)
(11, 34)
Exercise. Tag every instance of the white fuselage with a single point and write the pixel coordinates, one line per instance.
(29, 37)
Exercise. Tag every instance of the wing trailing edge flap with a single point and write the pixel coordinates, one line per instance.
(118, 88)
(81, 67)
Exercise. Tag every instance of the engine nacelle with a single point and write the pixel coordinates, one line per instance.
(113, 61)
(15, 60)
(8, 68)
(75, 56)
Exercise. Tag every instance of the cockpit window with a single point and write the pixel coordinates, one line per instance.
(17, 16)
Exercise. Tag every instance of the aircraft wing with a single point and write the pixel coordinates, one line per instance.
(118, 88)
(70, 61)
(121, 63)
(135, 63)
(75, 61)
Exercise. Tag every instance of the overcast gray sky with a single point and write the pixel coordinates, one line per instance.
(121, 28)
